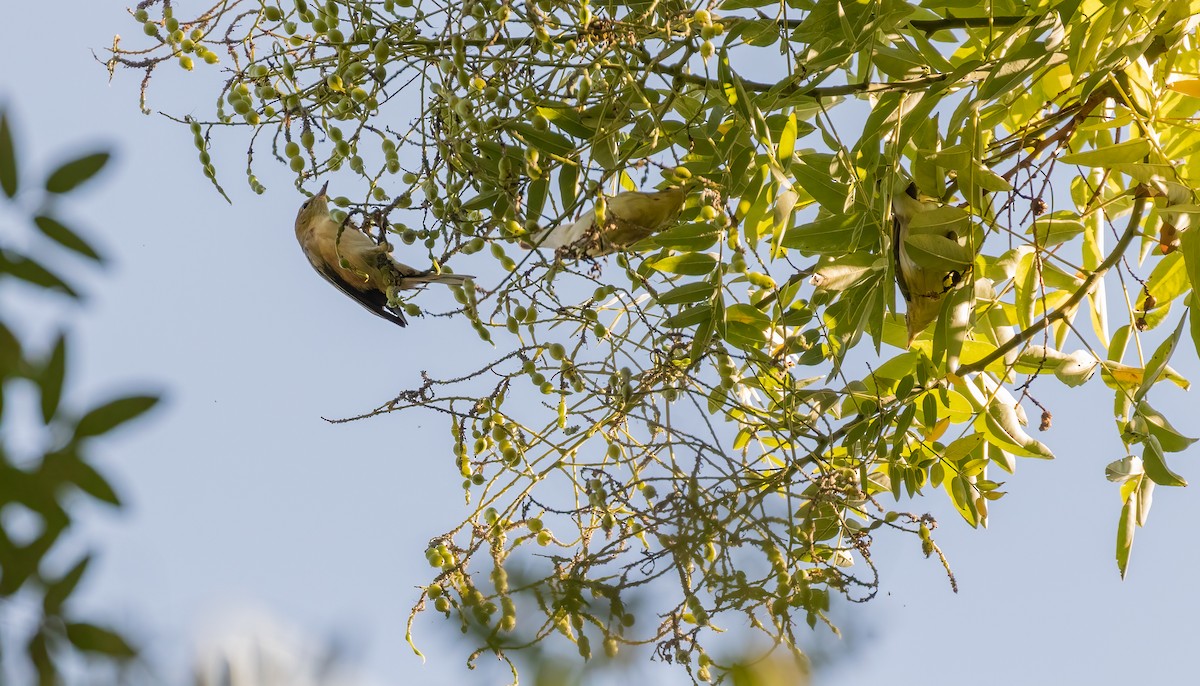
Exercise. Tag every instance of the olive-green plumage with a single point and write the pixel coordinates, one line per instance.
(923, 289)
(628, 218)
(357, 265)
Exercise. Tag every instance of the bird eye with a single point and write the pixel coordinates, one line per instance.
(305, 204)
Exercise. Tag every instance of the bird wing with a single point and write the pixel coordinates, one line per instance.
(899, 233)
(374, 300)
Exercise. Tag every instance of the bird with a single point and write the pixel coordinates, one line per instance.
(628, 218)
(924, 283)
(358, 266)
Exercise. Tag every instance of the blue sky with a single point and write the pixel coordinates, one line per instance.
(240, 495)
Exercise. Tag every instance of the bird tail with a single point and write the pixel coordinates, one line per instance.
(433, 277)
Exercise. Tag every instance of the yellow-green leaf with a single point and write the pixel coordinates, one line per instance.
(1129, 151)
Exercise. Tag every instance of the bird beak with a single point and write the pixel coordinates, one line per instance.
(321, 193)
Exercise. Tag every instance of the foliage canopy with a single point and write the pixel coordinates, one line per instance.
(729, 410)
(41, 487)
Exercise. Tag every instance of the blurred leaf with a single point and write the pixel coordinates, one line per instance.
(59, 590)
(97, 639)
(91, 482)
(39, 654)
(10, 352)
(58, 232)
(107, 417)
(50, 380)
(27, 270)
(71, 174)
(9, 176)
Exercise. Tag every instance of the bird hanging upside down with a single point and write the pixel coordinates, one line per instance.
(628, 218)
(931, 259)
(357, 265)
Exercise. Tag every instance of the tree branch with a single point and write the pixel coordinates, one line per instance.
(1062, 311)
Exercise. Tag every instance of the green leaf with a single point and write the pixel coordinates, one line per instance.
(96, 639)
(689, 317)
(59, 590)
(10, 352)
(954, 157)
(1190, 247)
(941, 220)
(1000, 424)
(687, 293)
(1155, 463)
(835, 234)
(752, 208)
(1126, 528)
(1124, 469)
(937, 253)
(962, 447)
(691, 264)
(846, 271)
(1158, 362)
(71, 174)
(704, 333)
(58, 232)
(1129, 151)
(50, 380)
(481, 201)
(787, 139)
(91, 482)
(1055, 228)
(1169, 280)
(959, 490)
(690, 237)
(546, 141)
(110, 415)
(8, 158)
(818, 181)
(568, 184)
(27, 270)
(1168, 436)
(1194, 319)
(535, 197)
(567, 119)
(747, 314)
(982, 177)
